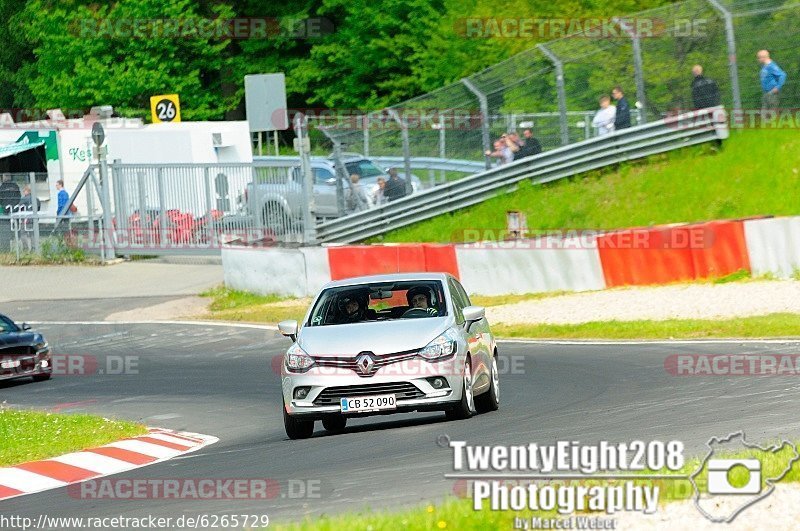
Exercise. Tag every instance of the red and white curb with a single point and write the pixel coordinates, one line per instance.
(158, 445)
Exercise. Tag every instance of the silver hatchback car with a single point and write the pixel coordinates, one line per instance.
(388, 344)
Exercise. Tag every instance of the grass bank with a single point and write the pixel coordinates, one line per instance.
(33, 435)
(756, 172)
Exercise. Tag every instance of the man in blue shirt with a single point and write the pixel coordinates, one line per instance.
(63, 199)
(772, 80)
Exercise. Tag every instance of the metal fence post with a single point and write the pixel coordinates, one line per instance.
(162, 212)
(121, 206)
(105, 182)
(35, 209)
(562, 96)
(303, 147)
(442, 146)
(211, 236)
(406, 148)
(341, 174)
(366, 135)
(484, 106)
(733, 68)
(638, 69)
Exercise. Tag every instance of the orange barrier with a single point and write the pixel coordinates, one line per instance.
(662, 255)
(725, 251)
(644, 256)
(358, 260)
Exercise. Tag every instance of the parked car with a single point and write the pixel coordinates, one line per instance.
(387, 344)
(279, 201)
(23, 352)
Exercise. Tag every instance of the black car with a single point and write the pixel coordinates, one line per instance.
(23, 352)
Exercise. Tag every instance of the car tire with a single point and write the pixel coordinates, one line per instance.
(41, 377)
(297, 428)
(334, 422)
(274, 218)
(466, 406)
(490, 400)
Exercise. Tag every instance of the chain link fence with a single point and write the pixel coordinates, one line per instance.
(553, 88)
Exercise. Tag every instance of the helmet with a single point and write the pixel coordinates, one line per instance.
(345, 299)
(417, 290)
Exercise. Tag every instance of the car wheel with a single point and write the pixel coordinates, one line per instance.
(466, 407)
(297, 428)
(274, 218)
(334, 422)
(490, 400)
(41, 377)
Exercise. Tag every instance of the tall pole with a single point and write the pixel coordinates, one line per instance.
(733, 68)
(105, 186)
(406, 148)
(484, 106)
(303, 147)
(561, 93)
(638, 68)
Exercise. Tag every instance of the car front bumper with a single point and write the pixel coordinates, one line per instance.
(426, 397)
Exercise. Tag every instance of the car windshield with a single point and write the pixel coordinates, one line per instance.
(365, 169)
(408, 299)
(7, 325)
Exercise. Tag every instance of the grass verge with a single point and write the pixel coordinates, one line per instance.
(774, 325)
(458, 513)
(234, 305)
(754, 173)
(33, 435)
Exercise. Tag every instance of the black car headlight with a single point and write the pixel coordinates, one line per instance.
(41, 347)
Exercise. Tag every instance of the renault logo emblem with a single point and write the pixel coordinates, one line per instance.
(365, 364)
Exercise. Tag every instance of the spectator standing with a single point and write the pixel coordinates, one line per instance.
(63, 199)
(622, 119)
(604, 118)
(27, 202)
(772, 80)
(356, 198)
(9, 194)
(705, 92)
(504, 149)
(395, 187)
(530, 146)
(380, 194)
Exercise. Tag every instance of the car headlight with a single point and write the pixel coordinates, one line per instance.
(443, 346)
(297, 360)
(41, 346)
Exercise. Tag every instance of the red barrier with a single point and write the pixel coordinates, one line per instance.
(672, 254)
(644, 256)
(358, 260)
(725, 252)
(441, 258)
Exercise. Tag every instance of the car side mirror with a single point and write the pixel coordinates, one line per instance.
(26, 326)
(473, 313)
(288, 328)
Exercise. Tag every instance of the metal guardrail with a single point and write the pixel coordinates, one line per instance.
(417, 163)
(671, 133)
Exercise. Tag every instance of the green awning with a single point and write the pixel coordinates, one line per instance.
(10, 150)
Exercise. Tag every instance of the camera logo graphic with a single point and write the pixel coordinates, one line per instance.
(719, 476)
(733, 484)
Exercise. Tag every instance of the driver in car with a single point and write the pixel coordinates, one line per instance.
(419, 299)
(350, 310)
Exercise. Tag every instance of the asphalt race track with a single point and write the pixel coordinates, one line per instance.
(218, 380)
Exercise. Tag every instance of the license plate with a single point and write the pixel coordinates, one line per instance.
(9, 364)
(361, 404)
